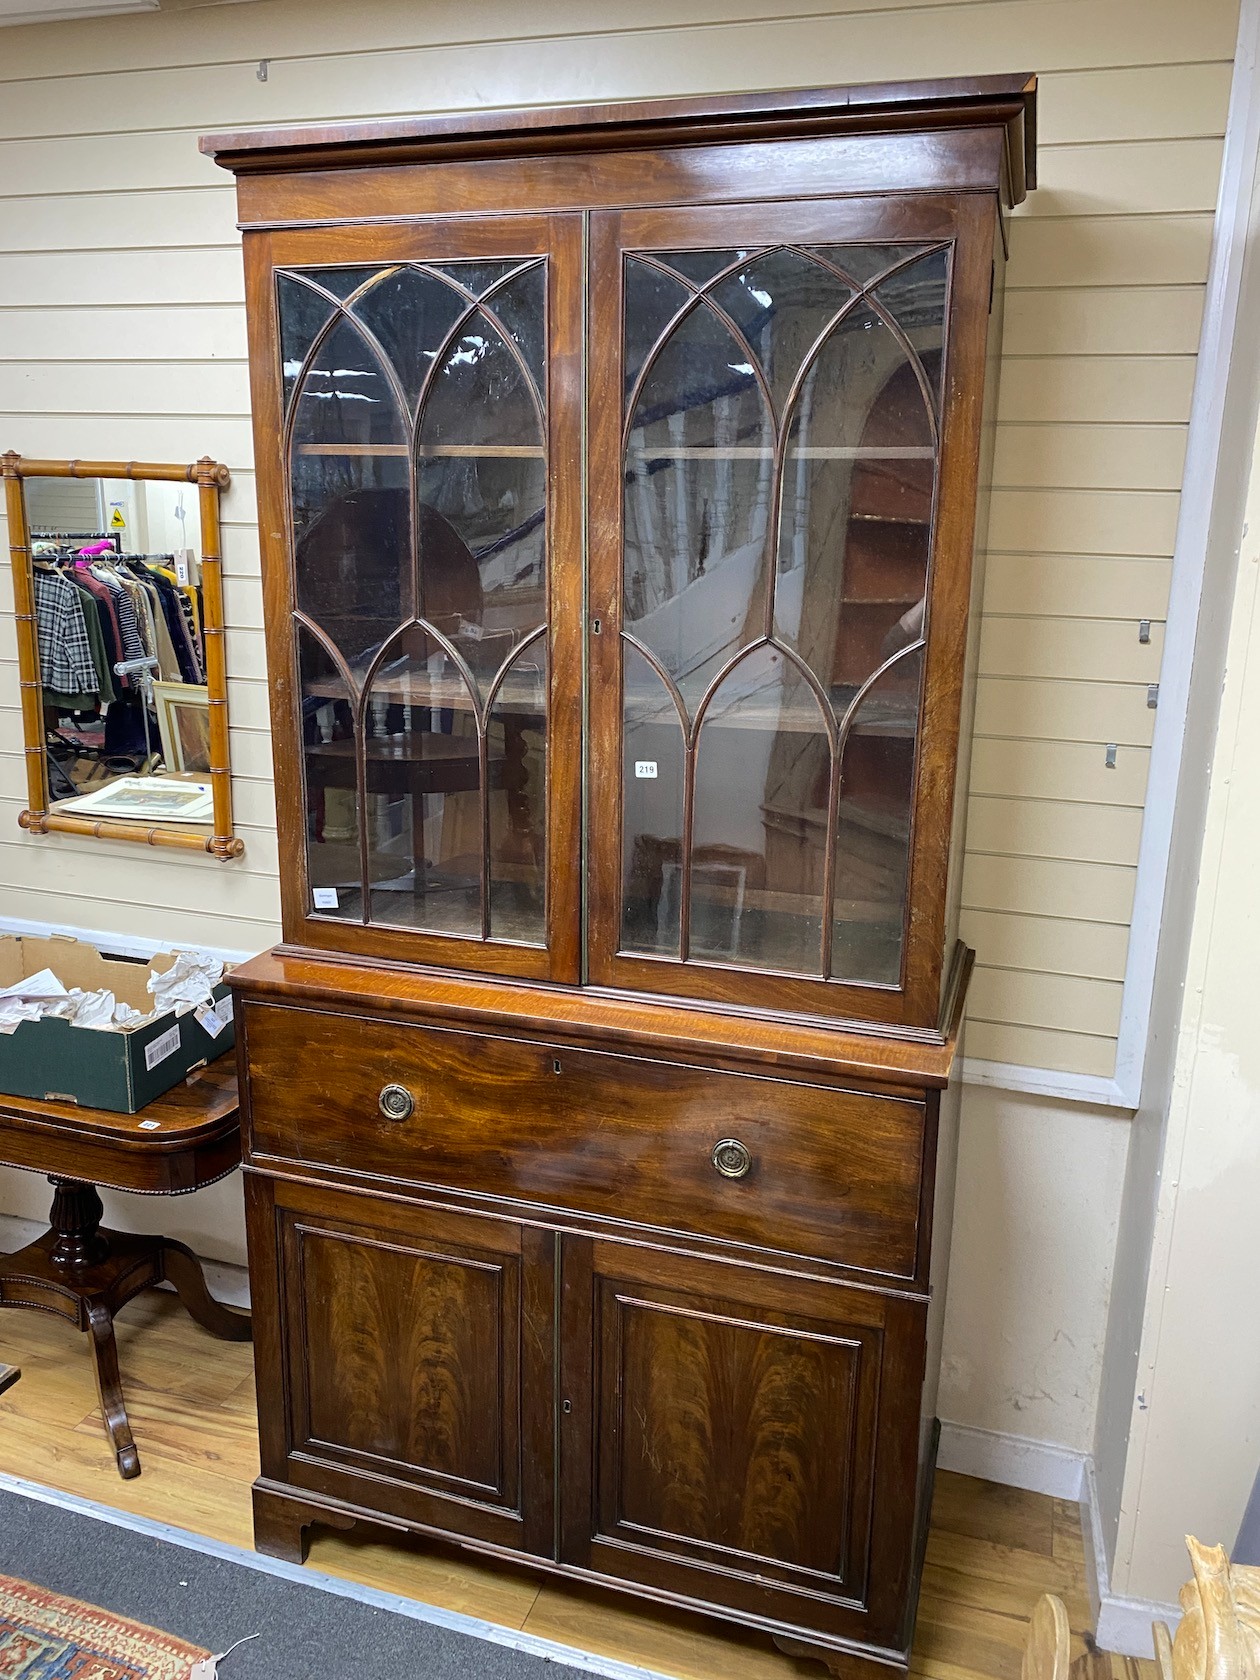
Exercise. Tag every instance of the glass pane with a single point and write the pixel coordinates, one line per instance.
(342, 281)
(699, 473)
(332, 807)
(516, 743)
(652, 299)
(873, 837)
(482, 487)
(859, 471)
(410, 313)
(520, 308)
(781, 302)
(915, 298)
(865, 263)
(760, 827)
(302, 313)
(652, 811)
(350, 498)
(423, 811)
(699, 266)
(478, 277)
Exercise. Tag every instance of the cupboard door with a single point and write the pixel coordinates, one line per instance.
(429, 432)
(417, 1350)
(739, 1437)
(783, 483)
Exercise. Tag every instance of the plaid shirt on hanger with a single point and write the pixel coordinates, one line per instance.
(65, 654)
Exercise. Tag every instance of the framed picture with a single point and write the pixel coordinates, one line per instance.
(146, 799)
(183, 714)
(717, 907)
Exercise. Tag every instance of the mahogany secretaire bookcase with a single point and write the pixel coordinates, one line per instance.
(620, 475)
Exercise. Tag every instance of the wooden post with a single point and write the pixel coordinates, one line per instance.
(29, 680)
(211, 478)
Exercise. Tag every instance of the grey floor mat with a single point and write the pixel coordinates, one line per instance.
(308, 1633)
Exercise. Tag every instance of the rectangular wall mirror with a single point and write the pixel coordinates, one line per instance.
(118, 599)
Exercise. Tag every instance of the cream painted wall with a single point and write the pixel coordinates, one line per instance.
(1034, 1233)
(121, 333)
(1193, 1446)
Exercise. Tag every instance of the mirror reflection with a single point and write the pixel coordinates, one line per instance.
(120, 629)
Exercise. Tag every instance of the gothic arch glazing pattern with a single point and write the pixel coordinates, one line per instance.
(781, 428)
(415, 435)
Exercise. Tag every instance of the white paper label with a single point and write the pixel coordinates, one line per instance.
(161, 1048)
(183, 566)
(150, 1125)
(325, 897)
(210, 1019)
(224, 1008)
(645, 769)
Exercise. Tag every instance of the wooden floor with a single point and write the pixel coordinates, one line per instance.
(993, 1550)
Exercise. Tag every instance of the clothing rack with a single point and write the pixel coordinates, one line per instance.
(79, 536)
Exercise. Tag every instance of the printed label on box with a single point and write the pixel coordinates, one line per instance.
(161, 1048)
(208, 1015)
(325, 897)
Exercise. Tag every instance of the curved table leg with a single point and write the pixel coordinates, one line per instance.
(109, 1388)
(182, 1268)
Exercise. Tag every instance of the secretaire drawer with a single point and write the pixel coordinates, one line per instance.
(801, 1169)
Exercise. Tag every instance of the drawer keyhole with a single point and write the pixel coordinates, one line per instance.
(731, 1158)
(396, 1102)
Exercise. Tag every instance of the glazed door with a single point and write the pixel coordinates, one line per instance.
(424, 537)
(416, 1350)
(739, 1437)
(784, 436)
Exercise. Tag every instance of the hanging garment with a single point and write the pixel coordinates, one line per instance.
(189, 599)
(181, 641)
(96, 641)
(110, 628)
(65, 653)
(124, 608)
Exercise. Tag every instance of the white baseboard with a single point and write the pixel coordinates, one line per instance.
(1121, 1624)
(229, 1284)
(116, 944)
(1013, 1460)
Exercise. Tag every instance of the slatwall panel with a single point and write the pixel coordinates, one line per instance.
(122, 334)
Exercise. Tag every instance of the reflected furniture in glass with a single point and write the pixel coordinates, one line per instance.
(622, 480)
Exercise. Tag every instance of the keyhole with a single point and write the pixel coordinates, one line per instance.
(568, 1407)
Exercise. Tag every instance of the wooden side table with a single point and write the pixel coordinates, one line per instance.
(186, 1139)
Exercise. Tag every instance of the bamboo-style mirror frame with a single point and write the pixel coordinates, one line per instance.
(210, 477)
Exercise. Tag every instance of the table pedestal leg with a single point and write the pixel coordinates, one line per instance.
(87, 1275)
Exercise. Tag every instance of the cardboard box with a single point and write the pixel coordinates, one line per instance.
(120, 1069)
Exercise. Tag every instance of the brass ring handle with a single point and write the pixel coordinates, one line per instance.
(731, 1158)
(396, 1102)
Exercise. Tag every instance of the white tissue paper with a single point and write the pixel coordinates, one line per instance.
(41, 995)
(27, 1000)
(189, 981)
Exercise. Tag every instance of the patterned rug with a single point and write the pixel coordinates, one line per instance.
(46, 1637)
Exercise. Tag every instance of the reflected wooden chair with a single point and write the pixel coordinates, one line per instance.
(1047, 1654)
(1218, 1637)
